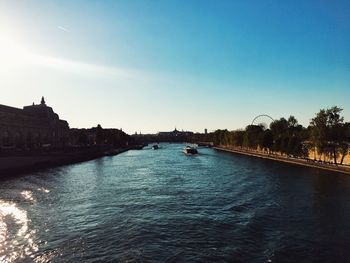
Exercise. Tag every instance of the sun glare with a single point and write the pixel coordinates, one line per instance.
(14, 54)
(11, 52)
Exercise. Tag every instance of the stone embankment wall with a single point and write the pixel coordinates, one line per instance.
(287, 159)
(313, 155)
(11, 164)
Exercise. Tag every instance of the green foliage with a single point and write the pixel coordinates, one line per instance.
(288, 136)
(100, 136)
(267, 141)
(328, 132)
(253, 136)
(238, 137)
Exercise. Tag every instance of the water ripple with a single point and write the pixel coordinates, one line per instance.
(164, 206)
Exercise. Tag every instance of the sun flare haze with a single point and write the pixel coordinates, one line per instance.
(174, 131)
(111, 61)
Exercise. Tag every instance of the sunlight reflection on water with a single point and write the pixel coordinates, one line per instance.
(163, 206)
(16, 241)
(44, 190)
(28, 195)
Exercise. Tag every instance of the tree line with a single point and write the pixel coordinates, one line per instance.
(100, 136)
(327, 134)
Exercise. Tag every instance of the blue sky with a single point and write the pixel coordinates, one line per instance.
(152, 65)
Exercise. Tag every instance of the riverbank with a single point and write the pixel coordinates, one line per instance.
(298, 161)
(28, 162)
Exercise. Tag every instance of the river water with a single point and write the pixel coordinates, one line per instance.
(164, 206)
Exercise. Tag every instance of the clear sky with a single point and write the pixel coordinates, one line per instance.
(151, 65)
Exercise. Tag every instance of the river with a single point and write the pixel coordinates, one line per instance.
(163, 206)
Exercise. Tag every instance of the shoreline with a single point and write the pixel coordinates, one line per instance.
(290, 160)
(23, 164)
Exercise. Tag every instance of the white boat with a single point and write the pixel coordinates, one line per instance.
(155, 147)
(190, 150)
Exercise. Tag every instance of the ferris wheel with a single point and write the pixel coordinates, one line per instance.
(263, 120)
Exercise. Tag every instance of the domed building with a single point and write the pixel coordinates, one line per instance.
(34, 126)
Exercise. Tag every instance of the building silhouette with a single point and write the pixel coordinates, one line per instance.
(175, 133)
(173, 136)
(32, 127)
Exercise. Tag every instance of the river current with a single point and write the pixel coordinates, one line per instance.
(163, 206)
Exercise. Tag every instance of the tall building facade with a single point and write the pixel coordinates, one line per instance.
(32, 127)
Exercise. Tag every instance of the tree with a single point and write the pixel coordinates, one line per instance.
(318, 127)
(346, 141)
(220, 137)
(267, 141)
(327, 131)
(238, 137)
(279, 129)
(288, 136)
(253, 136)
(292, 122)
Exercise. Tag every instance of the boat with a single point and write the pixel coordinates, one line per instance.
(190, 150)
(155, 147)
